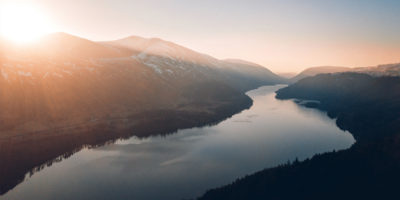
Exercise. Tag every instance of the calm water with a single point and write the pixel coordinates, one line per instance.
(185, 164)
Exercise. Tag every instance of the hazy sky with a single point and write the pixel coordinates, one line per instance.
(283, 35)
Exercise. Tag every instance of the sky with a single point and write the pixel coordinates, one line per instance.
(282, 35)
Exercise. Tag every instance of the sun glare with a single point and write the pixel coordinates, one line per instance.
(22, 23)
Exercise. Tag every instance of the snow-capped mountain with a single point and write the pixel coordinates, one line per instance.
(69, 80)
(171, 60)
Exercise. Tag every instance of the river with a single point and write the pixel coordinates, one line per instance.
(185, 164)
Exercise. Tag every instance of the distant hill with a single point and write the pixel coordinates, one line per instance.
(287, 75)
(380, 70)
(312, 71)
(249, 74)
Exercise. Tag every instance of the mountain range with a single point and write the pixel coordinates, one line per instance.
(380, 70)
(68, 80)
(312, 71)
(65, 92)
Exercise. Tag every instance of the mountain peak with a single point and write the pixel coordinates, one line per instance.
(243, 62)
(62, 37)
(62, 45)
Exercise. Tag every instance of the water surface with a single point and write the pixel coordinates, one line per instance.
(186, 164)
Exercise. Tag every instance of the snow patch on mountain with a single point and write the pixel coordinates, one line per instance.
(45, 75)
(155, 67)
(66, 71)
(22, 73)
(91, 69)
(4, 74)
(58, 75)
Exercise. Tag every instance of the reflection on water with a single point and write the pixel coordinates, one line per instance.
(185, 164)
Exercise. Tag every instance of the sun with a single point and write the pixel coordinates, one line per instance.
(22, 23)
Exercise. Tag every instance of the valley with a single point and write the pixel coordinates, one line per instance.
(199, 100)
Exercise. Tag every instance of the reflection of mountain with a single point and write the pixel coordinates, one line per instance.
(65, 92)
(367, 106)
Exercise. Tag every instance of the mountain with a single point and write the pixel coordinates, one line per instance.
(368, 107)
(312, 71)
(62, 46)
(249, 74)
(167, 59)
(64, 92)
(380, 70)
(68, 79)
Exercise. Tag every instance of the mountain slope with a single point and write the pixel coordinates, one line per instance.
(67, 79)
(170, 60)
(380, 70)
(246, 74)
(312, 71)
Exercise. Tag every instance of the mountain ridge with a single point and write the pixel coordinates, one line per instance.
(312, 71)
(67, 92)
(391, 69)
